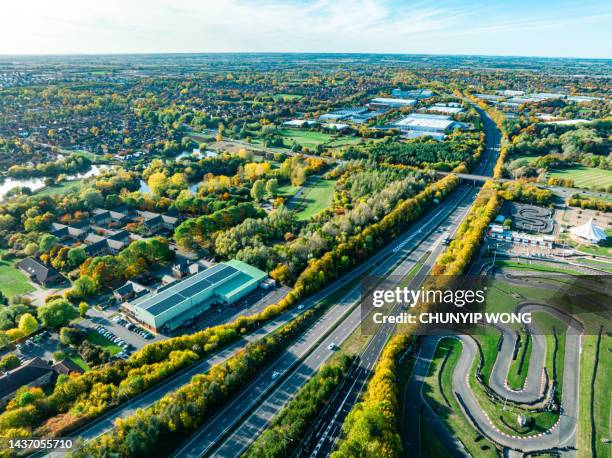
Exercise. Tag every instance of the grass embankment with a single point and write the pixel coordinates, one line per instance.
(584, 177)
(12, 281)
(438, 391)
(431, 445)
(595, 400)
(519, 368)
(536, 267)
(103, 342)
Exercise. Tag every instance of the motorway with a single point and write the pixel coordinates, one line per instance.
(259, 402)
(105, 422)
(232, 430)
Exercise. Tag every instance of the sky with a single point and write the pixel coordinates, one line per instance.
(578, 28)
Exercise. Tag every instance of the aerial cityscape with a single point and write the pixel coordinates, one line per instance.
(224, 233)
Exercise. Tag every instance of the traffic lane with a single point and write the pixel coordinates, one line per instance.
(208, 436)
(196, 445)
(375, 347)
(105, 423)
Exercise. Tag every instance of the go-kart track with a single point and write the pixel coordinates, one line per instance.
(537, 389)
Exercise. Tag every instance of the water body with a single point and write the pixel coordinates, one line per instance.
(38, 183)
(197, 153)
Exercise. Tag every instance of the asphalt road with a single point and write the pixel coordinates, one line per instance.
(534, 387)
(562, 435)
(248, 413)
(105, 423)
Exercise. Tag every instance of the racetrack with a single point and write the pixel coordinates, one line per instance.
(561, 437)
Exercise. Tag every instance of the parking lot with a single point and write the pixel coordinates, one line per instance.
(42, 346)
(105, 319)
(253, 303)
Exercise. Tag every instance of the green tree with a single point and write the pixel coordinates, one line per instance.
(9, 362)
(47, 243)
(28, 324)
(258, 190)
(272, 186)
(83, 307)
(57, 313)
(76, 256)
(30, 249)
(84, 286)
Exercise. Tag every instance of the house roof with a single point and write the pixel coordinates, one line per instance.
(23, 375)
(66, 366)
(36, 269)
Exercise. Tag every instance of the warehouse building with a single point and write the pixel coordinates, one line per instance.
(386, 102)
(425, 123)
(170, 307)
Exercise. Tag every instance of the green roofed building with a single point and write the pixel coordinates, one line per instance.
(170, 307)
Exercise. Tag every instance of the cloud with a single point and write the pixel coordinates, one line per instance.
(114, 26)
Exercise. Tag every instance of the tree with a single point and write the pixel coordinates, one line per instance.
(272, 186)
(85, 286)
(57, 313)
(71, 336)
(83, 307)
(28, 324)
(76, 256)
(9, 362)
(91, 198)
(258, 190)
(47, 243)
(4, 339)
(31, 249)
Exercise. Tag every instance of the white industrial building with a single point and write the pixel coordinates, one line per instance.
(450, 108)
(392, 103)
(412, 94)
(425, 123)
(299, 123)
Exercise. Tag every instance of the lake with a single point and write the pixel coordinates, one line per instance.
(38, 183)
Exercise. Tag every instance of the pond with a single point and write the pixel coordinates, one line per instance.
(38, 183)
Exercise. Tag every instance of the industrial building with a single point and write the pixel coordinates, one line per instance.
(425, 123)
(168, 308)
(385, 102)
(412, 94)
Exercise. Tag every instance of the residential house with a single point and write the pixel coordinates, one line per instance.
(38, 272)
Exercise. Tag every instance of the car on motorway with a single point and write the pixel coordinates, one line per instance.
(332, 346)
(275, 375)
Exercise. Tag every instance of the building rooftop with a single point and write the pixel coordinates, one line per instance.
(215, 278)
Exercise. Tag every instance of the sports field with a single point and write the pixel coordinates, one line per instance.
(584, 177)
(316, 197)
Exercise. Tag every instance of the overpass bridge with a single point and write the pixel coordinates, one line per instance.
(478, 180)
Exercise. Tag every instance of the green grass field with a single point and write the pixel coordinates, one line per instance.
(305, 137)
(79, 362)
(316, 197)
(287, 190)
(600, 395)
(452, 415)
(430, 443)
(12, 281)
(517, 373)
(103, 342)
(584, 177)
(288, 96)
(62, 188)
